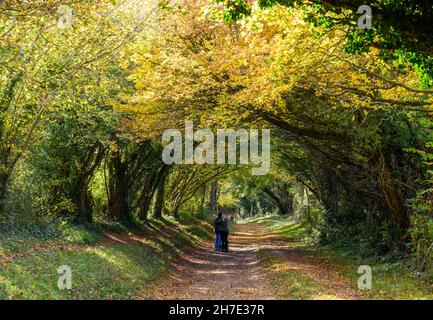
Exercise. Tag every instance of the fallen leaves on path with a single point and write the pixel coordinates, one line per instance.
(239, 274)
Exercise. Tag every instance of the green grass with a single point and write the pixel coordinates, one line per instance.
(390, 280)
(280, 224)
(288, 284)
(81, 235)
(112, 272)
(15, 239)
(99, 270)
(23, 238)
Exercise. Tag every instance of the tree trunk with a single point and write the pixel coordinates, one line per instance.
(83, 203)
(147, 193)
(118, 185)
(213, 205)
(203, 198)
(393, 196)
(82, 197)
(4, 178)
(160, 194)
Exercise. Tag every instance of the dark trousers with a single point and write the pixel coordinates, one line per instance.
(224, 241)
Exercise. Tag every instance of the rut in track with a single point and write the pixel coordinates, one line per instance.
(206, 274)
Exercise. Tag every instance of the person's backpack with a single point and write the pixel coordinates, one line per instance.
(217, 223)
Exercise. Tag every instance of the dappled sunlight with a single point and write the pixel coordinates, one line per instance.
(302, 127)
(208, 274)
(115, 261)
(325, 296)
(246, 271)
(10, 289)
(112, 237)
(99, 272)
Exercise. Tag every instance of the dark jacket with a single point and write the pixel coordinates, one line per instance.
(224, 226)
(221, 224)
(217, 224)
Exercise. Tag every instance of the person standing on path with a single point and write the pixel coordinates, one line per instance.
(217, 225)
(224, 231)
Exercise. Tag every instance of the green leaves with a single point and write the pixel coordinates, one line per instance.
(396, 26)
(234, 10)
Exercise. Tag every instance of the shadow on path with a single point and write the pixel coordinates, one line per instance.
(204, 274)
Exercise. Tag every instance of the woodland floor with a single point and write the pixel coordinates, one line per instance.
(261, 264)
(269, 258)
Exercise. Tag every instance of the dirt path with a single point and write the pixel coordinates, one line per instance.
(238, 274)
(207, 274)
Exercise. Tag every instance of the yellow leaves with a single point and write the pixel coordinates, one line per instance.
(215, 72)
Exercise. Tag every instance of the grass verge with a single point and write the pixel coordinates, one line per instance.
(111, 262)
(390, 280)
(287, 283)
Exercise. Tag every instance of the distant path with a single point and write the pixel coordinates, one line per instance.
(207, 274)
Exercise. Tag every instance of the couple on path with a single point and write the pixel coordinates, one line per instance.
(221, 233)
